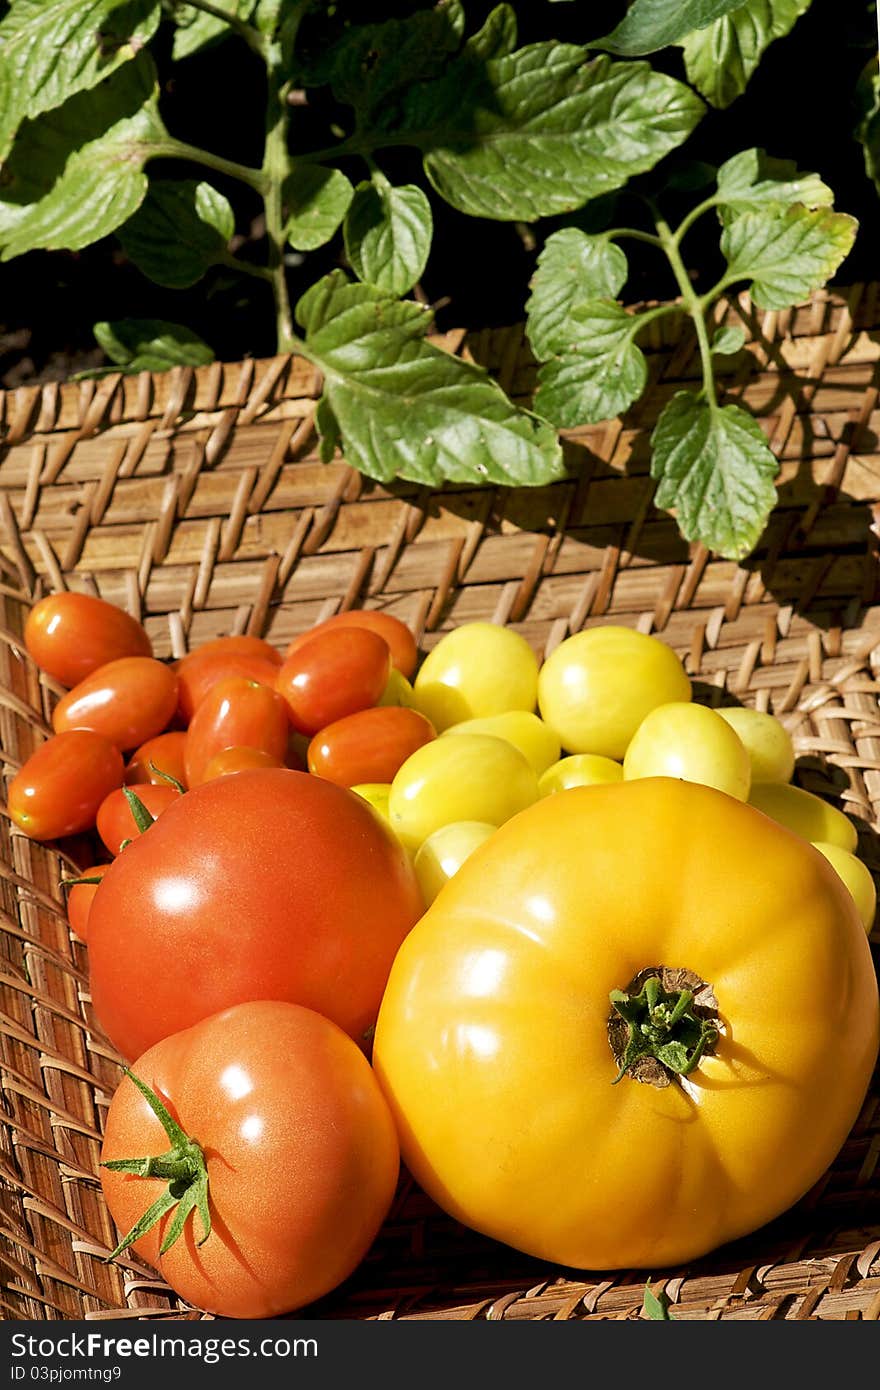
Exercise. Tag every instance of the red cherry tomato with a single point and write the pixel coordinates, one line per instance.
(62, 784)
(80, 898)
(128, 701)
(336, 673)
(165, 752)
(267, 885)
(369, 746)
(299, 1155)
(247, 657)
(401, 643)
(231, 760)
(235, 713)
(115, 820)
(70, 635)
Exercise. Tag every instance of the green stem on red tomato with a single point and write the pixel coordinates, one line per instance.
(182, 1166)
(143, 818)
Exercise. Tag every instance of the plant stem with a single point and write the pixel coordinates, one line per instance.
(693, 304)
(276, 169)
(179, 149)
(687, 222)
(252, 37)
(634, 234)
(259, 272)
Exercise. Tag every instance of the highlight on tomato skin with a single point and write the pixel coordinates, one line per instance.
(70, 635)
(128, 701)
(248, 658)
(236, 713)
(59, 789)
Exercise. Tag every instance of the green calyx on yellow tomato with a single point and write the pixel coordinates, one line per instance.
(660, 1028)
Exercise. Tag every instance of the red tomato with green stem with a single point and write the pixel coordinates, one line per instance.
(235, 713)
(157, 760)
(337, 672)
(282, 1165)
(267, 885)
(370, 746)
(120, 820)
(71, 635)
(80, 896)
(59, 789)
(401, 643)
(249, 658)
(128, 701)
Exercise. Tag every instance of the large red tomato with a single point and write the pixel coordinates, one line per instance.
(294, 1162)
(268, 885)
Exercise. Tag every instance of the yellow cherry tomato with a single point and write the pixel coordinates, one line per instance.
(494, 1050)
(767, 742)
(476, 670)
(579, 770)
(472, 777)
(690, 742)
(444, 852)
(804, 813)
(595, 689)
(857, 877)
(525, 731)
(376, 793)
(398, 691)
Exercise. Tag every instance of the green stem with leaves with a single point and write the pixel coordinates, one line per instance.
(692, 302)
(252, 37)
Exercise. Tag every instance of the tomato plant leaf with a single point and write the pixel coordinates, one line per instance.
(729, 339)
(572, 267)
(596, 371)
(497, 37)
(316, 200)
(720, 59)
(151, 345)
(786, 253)
(179, 231)
(388, 235)
(652, 24)
(541, 131)
(196, 29)
(52, 49)
(753, 179)
(657, 1308)
(405, 408)
(77, 173)
(714, 468)
(868, 130)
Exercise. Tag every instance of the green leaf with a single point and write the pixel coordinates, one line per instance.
(786, 253)
(316, 200)
(597, 372)
(151, 345)
(652, 24)
(267, 15)
(728, 340)
(76, 174)
(542, 131)
(372, 63)
(406, 409)
(178, 232)
(52, 49)
(388, 235)
(196, 29)
(497, 37)
(868, 130)
(572, 267)
(720, 59)
(752, 179)
(656, 1308)
(714, 468)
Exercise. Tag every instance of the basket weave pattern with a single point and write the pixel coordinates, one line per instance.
(196, 501)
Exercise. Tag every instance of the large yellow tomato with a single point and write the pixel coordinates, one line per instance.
(499, 1049)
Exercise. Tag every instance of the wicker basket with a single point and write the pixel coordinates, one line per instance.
(195, 500)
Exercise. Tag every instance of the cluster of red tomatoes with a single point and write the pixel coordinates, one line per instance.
(239, 950)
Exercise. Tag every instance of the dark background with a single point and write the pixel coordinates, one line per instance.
(799, 105)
